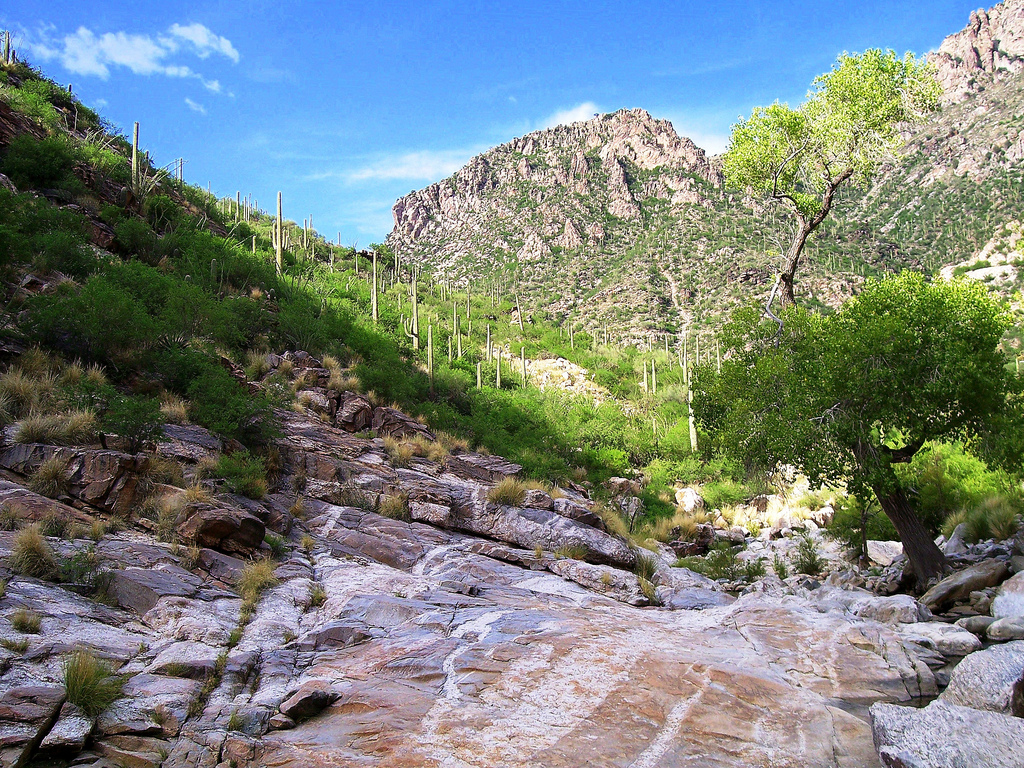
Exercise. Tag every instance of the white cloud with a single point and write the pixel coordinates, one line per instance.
(426, 165)
(205, 41)
(87, 53)
(195, 107)
(584, 111)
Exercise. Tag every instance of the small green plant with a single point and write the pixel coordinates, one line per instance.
(10, 519)
(754, 569)
(137, 420)
(256, 577)
(14, 646)
(31, 555)
(719, 563)
(571, 552)
(90, 683)
(235, 637)
(308, 543)
(235, 721)
(509, 492)
(245, 474)
(780, 567)
(51, 478)
(278, 545)
(395, 507)
(317, 596)
(26, 621)
(807, 559)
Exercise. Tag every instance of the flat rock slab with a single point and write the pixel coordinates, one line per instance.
(960, 585)
(70, 732)
(948, 640)
(992, 679)
(944, 735)
(139, 589)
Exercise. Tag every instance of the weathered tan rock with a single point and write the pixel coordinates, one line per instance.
(943, 735)
(477, 466)
(960, 585)
(1009, 628)
(992, 679)
(225, 529)
(948, 640)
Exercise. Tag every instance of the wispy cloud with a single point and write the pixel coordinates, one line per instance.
(425, 165)
(87, 53)
(195, 106)
(584, 111)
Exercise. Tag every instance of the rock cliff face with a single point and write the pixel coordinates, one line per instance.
(618, 222)
(990, 49)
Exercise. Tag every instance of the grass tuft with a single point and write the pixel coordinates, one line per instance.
(90, 683)
(509, 492)
(26, 621)
(50, 478)
(395, 507)
(31, 555)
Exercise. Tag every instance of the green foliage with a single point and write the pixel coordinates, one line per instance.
(221, 404)
(33, 163)
(137, 420)
(244, 473)
(719, 563)
(850, 517)
(807, 559)
(780, 566)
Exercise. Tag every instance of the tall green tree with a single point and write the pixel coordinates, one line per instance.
(849, 125)
(845, 397)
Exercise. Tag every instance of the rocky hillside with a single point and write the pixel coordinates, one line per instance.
(382, 608)
(617, 221)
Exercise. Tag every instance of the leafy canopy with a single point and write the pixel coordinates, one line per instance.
(903, 363)
(847, 127)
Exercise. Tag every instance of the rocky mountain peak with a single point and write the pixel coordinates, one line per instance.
(989, 49)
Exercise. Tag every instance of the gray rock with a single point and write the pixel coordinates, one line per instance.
(225, 529)
(185, 659)
(70, 732)
(26, 714)
(976, 624)
(1009, 600)
(139, 589)
(957, 544)
(884, 552)
(948, 640)
(1010, 628)
(944, 735)
(960, 585)
(281, 722)
(308, 700)
(354, 413)
(992, 679)
(574, 511)
(476, 466)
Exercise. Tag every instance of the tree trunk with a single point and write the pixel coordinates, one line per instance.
(926, 559)
(796, 248)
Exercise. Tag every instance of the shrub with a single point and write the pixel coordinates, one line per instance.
(26, 621)
(509, 492)
(244, 473)
(719, 563)
(50, 478)
(137, 420)
(223, 406)
(278, 546)
(33, 163)
(780, 567)
(90, 683)
(754, 569)
(317, 596)
(807, 559)
(395, 507)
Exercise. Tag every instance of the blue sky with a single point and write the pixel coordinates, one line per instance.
(344, 107)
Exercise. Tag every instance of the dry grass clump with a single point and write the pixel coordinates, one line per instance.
(256, 365)
(682, 525)
(31, 555)
(317, 596)
(452, 443)
(50, 478)
(10, 518)
(571, 552)
(77, 427)
(25, 392)
(995, 518)
(14, 646)
(90, 683)
(400, 452)
(613, 520)
(255, 579)
(197, 493)
(509, 492)
(395, 507)
(166, 471)
(173, 408)
(27, 622)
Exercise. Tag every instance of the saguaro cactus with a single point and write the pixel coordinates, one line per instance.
(373, 295)
(522, 356)
(280, 236)
(135, 156)
(412, 328)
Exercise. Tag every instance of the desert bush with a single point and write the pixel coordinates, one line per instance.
(780, 567)
(719, 563)
(807, 559)
(400, 452)
(137, 420)
(74, 428)
(90, 683)
(508, 492)
(278, 545)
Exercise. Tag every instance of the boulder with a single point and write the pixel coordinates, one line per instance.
(393, 423)
(992, 679)
(977, 624)
(187, 442)
(613, 582)
(190, 659)
(225, 529)
(139, 589)
(1010, 628)
(957, 544)
(311, 697)
(944, 735)
(32, 507)
(570, 509)
(948, 640)
(537, 499)
(1009, 600)
(701, 542)
(960, 585)
(622, 486)
(480, 467)
(354, 414)
(689, 500)
(884, 552)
